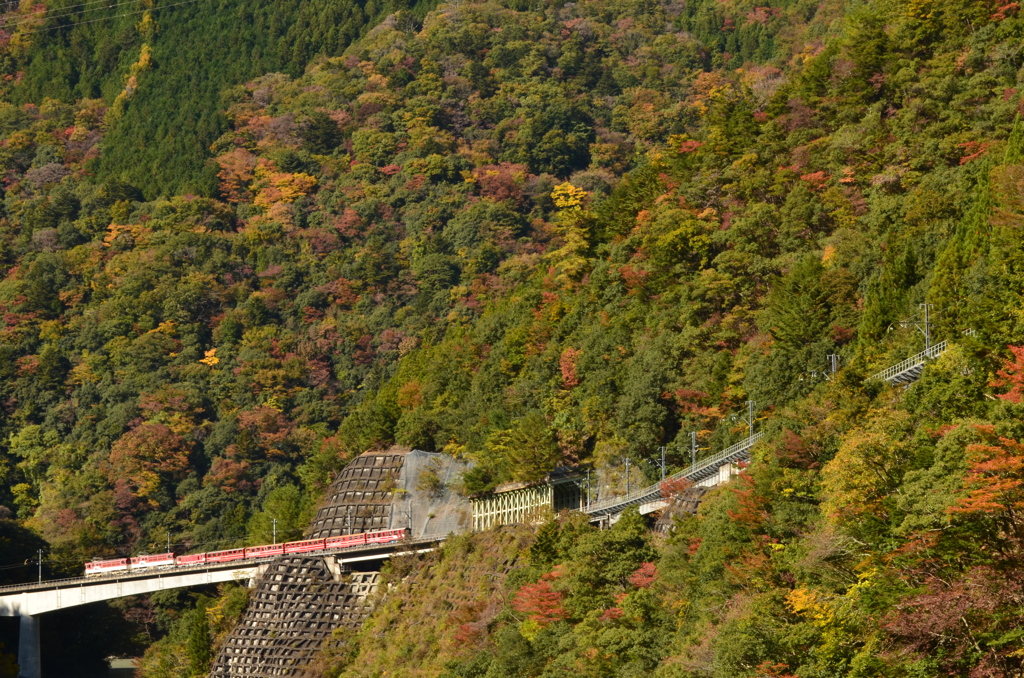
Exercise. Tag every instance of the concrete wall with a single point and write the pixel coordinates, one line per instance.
(726, 472)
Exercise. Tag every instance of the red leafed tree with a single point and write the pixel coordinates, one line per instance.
(230, 475)
(146, 458)
(567, 364)
(342, 291)
(957, 612)
(995, 480)
(540, 602)
(644, 576)
(670, 487)
(269, 426)
(349, 224)
(502, 182)
(795, 452)
(1011, 376)
(752, 506)
(951, 620)
(633, 278)
(691, 402)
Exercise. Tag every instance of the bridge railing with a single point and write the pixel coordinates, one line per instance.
(913, 361)
(126, 575)
(697, 470)
(180, 569)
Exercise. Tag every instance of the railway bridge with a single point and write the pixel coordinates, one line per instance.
(708, 472)
(28, 601)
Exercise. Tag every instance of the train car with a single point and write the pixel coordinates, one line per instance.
(387, 536)
(105, 566)
(304, 546)
(264, 551)
(194, 559)
(158, 560)
(161, 560)
(225, 556)
(345, 541)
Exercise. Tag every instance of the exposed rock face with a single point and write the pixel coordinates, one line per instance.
(684, 503)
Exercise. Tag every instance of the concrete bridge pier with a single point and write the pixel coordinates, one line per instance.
(29, 663)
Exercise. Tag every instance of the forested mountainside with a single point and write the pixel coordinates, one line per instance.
(171, 59)
(534, 235)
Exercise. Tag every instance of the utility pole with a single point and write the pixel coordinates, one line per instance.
(750, 417)
(40, 566)
(927, 325)
(273, 523)
(168, 543)
(348, 520)
(588, 489)
(662, 463)
(627, 476)
(833, 363)
(693, 450)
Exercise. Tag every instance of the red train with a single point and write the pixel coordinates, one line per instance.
(167, 560)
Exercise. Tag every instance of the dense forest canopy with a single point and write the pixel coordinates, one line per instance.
(171, 59)
(242, 245)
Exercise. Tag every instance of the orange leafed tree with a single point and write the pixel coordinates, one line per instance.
(284, 187)
(567, 365)
(236, 171)
(995, 478)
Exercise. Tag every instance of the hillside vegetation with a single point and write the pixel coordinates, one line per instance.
(534, 235)
(171, 60)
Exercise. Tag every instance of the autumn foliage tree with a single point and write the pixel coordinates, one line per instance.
(994, 493)
(540, 602)
(144, 461)
(237, 169)
(969, 576)
(1011, 376)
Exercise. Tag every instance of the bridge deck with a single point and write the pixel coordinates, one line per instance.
(704, 469)
(357, 553)
(910, 370)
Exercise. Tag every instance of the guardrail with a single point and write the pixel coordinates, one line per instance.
(703, 469)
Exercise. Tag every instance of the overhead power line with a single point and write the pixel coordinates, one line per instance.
(63, 12)
(115, 16)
